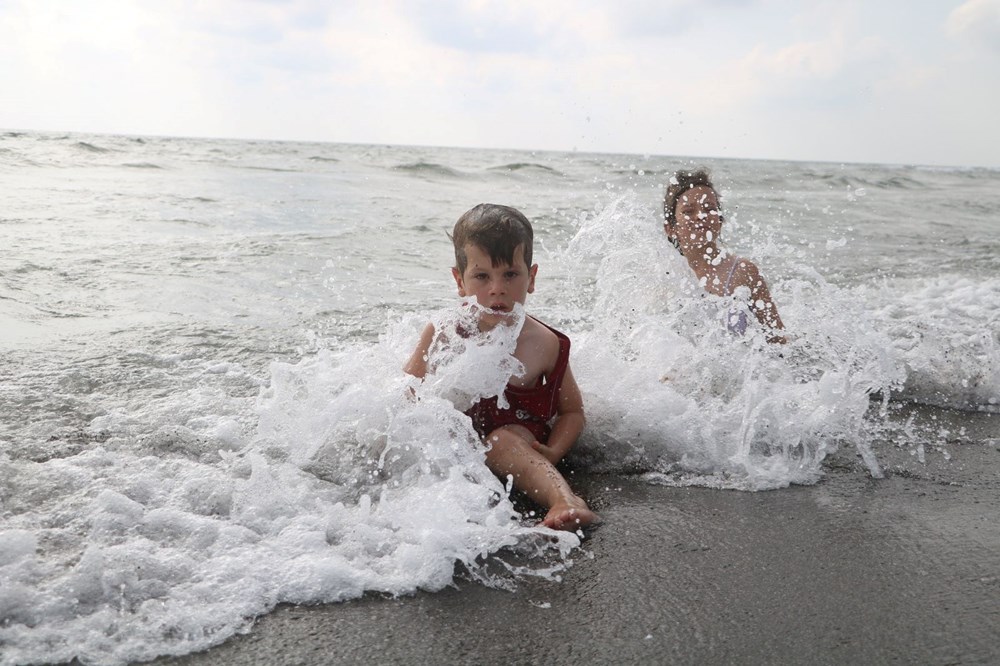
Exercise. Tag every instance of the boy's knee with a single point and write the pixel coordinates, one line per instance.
(506, 438)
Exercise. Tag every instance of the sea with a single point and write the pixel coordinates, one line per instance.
(202, 408)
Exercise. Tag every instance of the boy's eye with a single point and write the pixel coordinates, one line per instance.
(510, 275)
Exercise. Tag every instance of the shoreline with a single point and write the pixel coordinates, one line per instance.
(849, 570)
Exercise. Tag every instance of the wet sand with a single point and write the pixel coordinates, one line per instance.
(904, 569)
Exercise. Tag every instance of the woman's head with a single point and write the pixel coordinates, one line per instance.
(692, 195)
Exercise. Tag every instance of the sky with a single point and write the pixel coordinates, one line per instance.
(881, 81)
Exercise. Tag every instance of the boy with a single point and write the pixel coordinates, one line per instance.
(493, 247)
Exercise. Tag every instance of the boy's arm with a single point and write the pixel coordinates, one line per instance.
(417, 365)
(569, 420)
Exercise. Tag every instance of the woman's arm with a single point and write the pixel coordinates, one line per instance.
(761, 303)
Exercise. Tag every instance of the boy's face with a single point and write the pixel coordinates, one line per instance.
(495, 287)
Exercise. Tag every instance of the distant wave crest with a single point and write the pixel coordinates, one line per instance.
(270, 168)
(428, 169)
(91, 148)
(854, 181)
(525, 166)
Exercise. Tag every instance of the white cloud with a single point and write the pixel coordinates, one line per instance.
(978, 21)
(820, 80)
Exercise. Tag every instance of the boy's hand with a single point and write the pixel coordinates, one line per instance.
(549, 453)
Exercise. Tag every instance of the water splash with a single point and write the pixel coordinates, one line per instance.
(671, 393)
(355, 479)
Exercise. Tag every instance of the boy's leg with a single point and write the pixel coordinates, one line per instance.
(510, 452)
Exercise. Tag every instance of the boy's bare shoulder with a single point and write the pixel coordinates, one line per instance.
(537, 349)
(540, 336)
(534, 327)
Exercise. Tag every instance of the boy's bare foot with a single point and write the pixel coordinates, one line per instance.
(570, 515)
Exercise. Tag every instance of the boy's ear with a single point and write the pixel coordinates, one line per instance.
(458, 281)
(531, 283)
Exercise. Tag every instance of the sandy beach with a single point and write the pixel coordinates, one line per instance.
(904, 569)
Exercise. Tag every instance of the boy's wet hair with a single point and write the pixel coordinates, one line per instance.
(497, 229)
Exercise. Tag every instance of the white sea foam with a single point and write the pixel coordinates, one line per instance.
(945, 331)
(356, 479)
(672, 393)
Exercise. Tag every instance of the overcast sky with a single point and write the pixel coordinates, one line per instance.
(887, 81)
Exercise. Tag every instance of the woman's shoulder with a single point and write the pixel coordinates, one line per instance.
(743, 272)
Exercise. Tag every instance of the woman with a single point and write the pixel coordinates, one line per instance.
(693, 221)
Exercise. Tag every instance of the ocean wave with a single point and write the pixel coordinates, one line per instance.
(975, 172)
(142, 165)
(526, 166)
(668, 389)
(14, 159)
(429, 169)
(642, 171)
(254, 167)
(189, 222)
(945, 334)
(182, 520)
(90, 147)
(855, 181)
